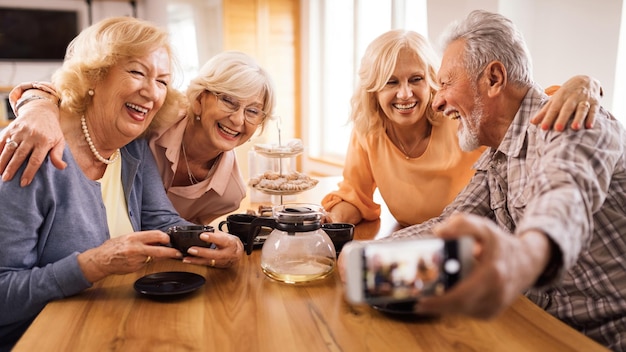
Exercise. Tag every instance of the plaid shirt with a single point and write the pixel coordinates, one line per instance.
(571, 186)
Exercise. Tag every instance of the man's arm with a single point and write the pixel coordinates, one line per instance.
(474, 199)
(569, 183)
(571, 180)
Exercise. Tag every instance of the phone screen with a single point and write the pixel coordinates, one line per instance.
(402, 271)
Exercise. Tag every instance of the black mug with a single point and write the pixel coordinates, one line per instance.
(183, 237)
(240, 225)
(339, 232)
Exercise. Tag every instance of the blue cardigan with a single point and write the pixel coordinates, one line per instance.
(44, 226)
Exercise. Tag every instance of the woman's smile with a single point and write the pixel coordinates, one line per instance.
(227, 131)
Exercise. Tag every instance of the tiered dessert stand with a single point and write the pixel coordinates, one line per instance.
(281, 179)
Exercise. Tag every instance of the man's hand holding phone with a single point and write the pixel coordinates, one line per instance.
(504, 266)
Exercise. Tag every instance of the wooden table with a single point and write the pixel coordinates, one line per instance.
(239, 309)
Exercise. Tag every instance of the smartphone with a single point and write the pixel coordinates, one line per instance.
(403, 270)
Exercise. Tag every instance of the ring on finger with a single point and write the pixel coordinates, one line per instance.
(585, 103)
(212, 262)
(148, 259)
(11, 143)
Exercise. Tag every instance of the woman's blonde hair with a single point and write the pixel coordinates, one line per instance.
(236, 74)
(377, 66)
(96, 49)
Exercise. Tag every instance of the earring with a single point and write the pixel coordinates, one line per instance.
(197, 117)
(91, 92)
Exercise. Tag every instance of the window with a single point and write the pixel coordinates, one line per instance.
(338, 33)
(182, 28)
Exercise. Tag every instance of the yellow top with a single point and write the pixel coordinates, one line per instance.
(114, 200)
(414, 189)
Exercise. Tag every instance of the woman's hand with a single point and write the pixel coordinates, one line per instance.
(125, 254)
(343, 212)
(341, 267)
(35, 133)
(227, 252)
(578, 100)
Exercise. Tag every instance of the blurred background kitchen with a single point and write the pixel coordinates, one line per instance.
(312, 48)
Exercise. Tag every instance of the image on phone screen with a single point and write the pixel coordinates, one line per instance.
(403, 271)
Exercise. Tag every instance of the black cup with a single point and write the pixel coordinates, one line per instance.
(340, 233)
(184, 237)
(240, 225)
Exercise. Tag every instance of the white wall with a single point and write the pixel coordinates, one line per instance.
(565, 37)
(619, 109)
(584, 40)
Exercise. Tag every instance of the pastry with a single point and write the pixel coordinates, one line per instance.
(275, 182)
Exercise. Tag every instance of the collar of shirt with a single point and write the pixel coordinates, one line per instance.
(515, 137)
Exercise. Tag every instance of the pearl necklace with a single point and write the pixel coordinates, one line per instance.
(192, 178)
(111, 159)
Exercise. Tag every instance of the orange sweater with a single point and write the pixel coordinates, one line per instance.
(414, 190)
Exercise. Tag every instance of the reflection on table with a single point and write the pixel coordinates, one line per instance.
(241, 309)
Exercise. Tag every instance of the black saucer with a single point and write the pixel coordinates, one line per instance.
(401, 311)
(168, 284)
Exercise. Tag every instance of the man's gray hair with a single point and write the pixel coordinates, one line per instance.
(490, 36)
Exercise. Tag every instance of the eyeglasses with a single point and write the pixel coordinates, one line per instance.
(227, 103)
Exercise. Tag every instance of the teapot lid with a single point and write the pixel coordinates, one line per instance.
(298, 213)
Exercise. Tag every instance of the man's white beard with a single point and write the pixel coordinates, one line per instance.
(468, 139)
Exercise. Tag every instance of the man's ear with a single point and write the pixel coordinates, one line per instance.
(496, 77)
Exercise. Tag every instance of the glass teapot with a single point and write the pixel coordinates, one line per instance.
(297, 250)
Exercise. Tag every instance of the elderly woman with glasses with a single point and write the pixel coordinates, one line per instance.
(227, 102)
